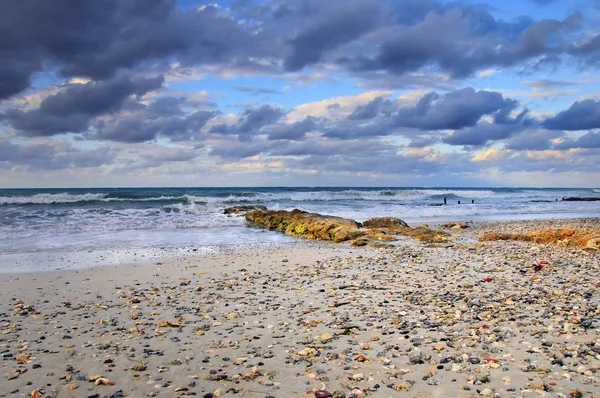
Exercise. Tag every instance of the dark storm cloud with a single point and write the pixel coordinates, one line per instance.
(582, 115)
(71, 109)
(96, 39)
(472, 40)
(339, 23)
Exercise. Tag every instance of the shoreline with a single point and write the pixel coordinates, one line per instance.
(108, 257)
(463, 320)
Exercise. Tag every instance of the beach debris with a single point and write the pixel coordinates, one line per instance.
(177, 323)
(102, 381)
(36, 394)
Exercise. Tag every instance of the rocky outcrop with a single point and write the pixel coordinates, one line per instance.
(384, 222)
(243, 209)
(323, 227)
(306, 225)
(455, 225)
(562, 237)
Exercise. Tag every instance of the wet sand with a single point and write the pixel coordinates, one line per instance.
(465, 319)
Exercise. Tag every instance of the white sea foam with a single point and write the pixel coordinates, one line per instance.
(50, 198)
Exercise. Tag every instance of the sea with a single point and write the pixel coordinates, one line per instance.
(124, 219)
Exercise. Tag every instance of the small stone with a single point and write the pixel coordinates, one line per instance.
(416, 357)
(322, 394)
(326, 337)
(308, 352)
(486, 392)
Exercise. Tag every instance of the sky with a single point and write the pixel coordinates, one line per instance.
(139, 93)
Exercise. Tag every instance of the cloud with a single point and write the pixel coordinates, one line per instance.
(148, 126)
(294, 131)
(582, 115)
(589, 140)
(250, 122)
(455, 110)
(546, 84)
(533, 140)
(52, 156)
(473, 40)
(256, 90)
(339, 23)
(481, 134)
(379, 105)
(97, 40)
(71, 109)
(491, 155)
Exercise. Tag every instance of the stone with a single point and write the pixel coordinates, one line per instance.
(308, 352)
(416, 357)
(384, 222)
(594, 243)
(243, 209)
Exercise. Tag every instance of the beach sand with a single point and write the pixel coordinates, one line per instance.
(463, 319)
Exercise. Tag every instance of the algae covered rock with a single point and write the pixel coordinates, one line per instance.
(384, 222)
(306, 225)
(316, 226)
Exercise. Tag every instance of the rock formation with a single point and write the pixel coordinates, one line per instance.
(562, 237)
(337, 229)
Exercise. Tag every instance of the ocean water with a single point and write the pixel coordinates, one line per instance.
(46, 220)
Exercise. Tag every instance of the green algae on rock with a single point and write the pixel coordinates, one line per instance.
(337, 229)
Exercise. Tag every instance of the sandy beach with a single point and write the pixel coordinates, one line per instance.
(463, 319)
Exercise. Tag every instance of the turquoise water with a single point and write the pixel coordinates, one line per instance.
(73, 219)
